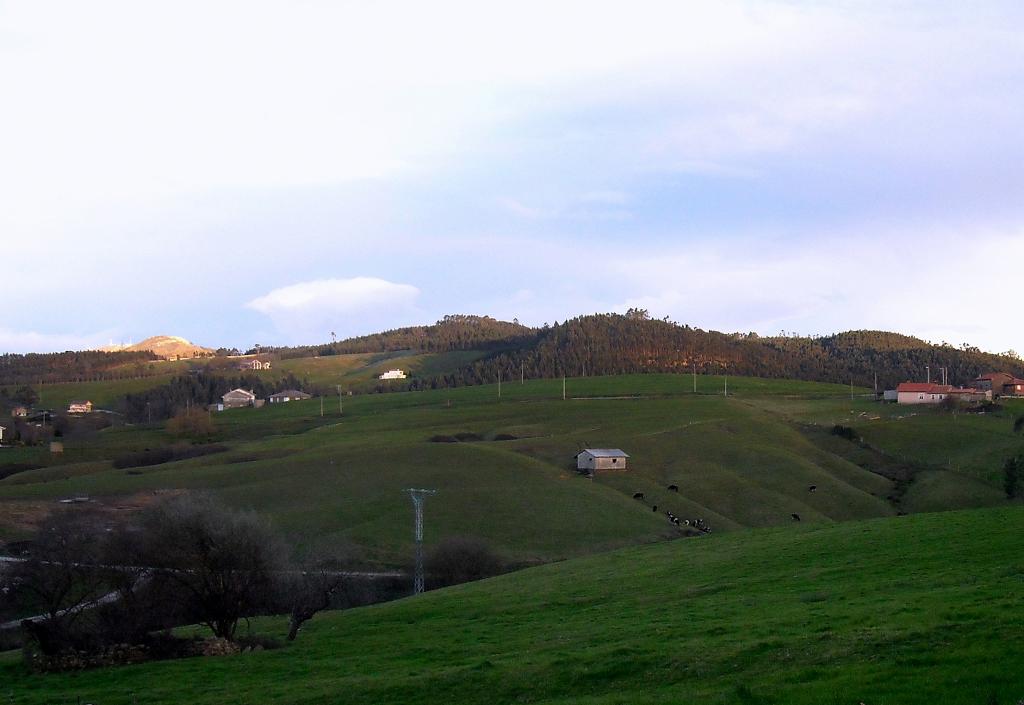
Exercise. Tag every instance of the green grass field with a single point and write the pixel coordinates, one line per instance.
(741, 461)
(919, 609)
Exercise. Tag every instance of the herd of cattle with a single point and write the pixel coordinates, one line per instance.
(698, 523)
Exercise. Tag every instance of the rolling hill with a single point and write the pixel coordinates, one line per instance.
(747, 460)
(922, 609)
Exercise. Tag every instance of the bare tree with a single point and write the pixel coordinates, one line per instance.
(316, 583)
(221, 563)
(59, 578)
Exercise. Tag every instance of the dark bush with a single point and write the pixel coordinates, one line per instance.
(505, 437)
(1011, 476)
(461, 559)
(467, 436)
(443, 439)
(14, 468)
(167, 454)
(845, 432)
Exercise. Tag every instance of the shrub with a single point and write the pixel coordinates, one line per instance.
(1011, 476)
(845, 432)
(191, 423)
(461, 559)
(166, 454)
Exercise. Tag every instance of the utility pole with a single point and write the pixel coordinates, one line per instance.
(726, 369)
(418, 497)
(522, 373)
(695, 375)
(876, 384)
(341, 410)
(851, 388)
(563, 387)
(499, 383)
(928, 374)
(321, 405)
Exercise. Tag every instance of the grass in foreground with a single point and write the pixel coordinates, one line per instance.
(918, 609)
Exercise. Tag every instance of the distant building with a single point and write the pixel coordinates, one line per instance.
(2, 429)
(80, 407)
(392, 374)
(288, 395)
(1015, 388)
(19, 412)
(998, 383)
(970, 394)
(237, 398)
(254, 365)
(890, 395)
(929, 393)
(593, 459)
(922, 393)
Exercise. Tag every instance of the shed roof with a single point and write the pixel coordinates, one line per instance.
(605, 452)
(240, 393)
(926, 387)
(290, 393)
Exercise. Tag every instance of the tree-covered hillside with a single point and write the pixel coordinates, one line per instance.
(603, 344)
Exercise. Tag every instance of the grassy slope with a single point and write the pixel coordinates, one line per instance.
(343, 477)
(738, 462)
(919, 609)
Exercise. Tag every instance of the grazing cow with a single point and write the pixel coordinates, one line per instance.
(796, 517)
(673, 488)
(812, 488)
(638, 495)
(654, 508)
(686, 522)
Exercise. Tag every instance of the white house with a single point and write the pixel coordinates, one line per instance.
(922, 392)
(238, 397)
(392, 374)
(288, 395)
(601, 459)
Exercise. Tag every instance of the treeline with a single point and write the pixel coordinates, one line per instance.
(183, 391)
(454, 332)
(607, 344)
(80, 366)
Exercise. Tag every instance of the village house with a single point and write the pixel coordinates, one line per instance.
(1000, 384)
(254, 365)
(922, 393)
(930, 393)
(19, 412)
(288, 395)
(594, 459)
(1015, 388)
(392, 374)
(80, 407)
(237, 398)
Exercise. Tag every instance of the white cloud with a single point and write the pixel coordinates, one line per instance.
(310, 311)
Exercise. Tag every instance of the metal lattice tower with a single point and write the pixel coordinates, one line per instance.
(418, 497)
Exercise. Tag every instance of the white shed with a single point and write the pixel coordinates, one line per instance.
(601, 459)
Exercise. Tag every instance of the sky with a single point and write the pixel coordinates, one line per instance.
(242, 173)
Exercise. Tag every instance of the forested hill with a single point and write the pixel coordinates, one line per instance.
(455, 332)
(603, 344)
(72, 366)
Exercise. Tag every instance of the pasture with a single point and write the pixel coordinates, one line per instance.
(738, 461)
(918, 609)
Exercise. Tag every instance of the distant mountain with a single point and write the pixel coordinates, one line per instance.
(167, 347)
